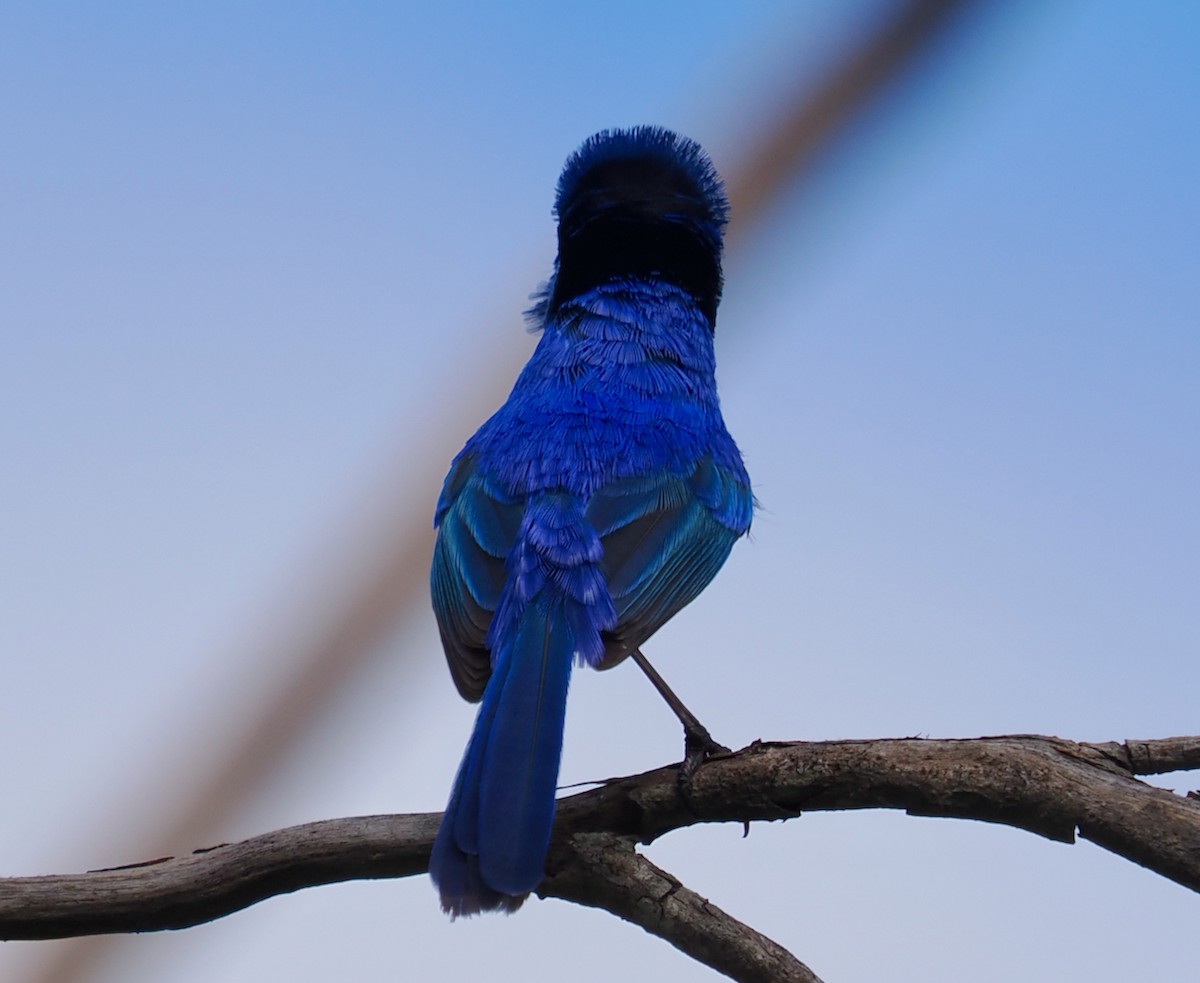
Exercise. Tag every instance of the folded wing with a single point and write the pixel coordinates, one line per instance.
(665, 536)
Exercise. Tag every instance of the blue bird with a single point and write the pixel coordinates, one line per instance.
(600, 499)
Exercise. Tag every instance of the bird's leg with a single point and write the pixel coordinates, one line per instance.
(698, 743)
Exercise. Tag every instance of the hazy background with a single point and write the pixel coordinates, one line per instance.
(250, 255)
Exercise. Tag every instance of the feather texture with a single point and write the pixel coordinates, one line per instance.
(600, 499)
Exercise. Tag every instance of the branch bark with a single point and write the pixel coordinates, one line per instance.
(601, 870)
(1046, 785)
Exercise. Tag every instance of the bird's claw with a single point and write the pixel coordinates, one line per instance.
(698, 747)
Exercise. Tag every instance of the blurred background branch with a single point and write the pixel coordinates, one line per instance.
(811, 118)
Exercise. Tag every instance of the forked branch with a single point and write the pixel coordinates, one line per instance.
(1048, 786)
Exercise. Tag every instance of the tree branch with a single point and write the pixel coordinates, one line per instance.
(1153, 757)
(604, 871)
(1046, 785)
(178, 892)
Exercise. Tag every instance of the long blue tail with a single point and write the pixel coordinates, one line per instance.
(491, 847)
(492, 842)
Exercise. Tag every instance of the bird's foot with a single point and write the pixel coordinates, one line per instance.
(698, 747)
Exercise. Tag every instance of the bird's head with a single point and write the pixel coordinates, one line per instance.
(642, 203)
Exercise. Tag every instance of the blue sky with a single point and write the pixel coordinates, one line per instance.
(255, 260)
